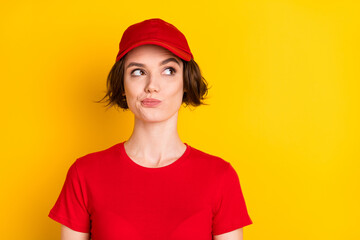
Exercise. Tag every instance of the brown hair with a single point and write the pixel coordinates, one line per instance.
(195, 85)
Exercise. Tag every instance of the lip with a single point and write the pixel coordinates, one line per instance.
(150, 102)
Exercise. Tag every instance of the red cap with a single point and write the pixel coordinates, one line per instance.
(155, 31)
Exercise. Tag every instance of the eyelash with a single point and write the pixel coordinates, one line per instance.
(132, 72)
(171, 68)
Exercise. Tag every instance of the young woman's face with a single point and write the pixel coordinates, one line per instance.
(153, 83)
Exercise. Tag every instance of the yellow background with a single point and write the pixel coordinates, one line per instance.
(284, 106)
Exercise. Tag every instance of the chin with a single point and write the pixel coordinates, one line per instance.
(155, 117)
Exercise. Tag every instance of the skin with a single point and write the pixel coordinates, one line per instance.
(69, 234)
(153, 72)
(155, 141)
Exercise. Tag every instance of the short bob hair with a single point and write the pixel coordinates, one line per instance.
(195, 85)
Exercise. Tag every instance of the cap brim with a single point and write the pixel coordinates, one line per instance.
(178, 52)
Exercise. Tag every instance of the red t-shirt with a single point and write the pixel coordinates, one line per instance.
(111, 197)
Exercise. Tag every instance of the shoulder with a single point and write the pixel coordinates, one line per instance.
(96, 159)
(212, 163)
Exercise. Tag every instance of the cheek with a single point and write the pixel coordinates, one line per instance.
(177, 92)
(129, 87)
(130, 93)
(181, 87)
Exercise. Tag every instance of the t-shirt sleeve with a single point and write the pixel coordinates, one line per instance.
(70, 208)
(231, 212)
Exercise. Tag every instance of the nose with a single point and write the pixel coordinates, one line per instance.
(152, 84)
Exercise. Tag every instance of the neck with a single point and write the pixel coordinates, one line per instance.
(155, 143)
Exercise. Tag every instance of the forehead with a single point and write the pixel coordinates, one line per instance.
(149, 51)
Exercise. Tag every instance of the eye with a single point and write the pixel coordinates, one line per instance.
(170, 71)
(137, 72)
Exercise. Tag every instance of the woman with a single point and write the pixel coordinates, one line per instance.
(152, 186)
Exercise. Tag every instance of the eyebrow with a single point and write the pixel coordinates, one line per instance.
(135, 64)
(169, 60)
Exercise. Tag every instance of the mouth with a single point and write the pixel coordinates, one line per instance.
(150, 102)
